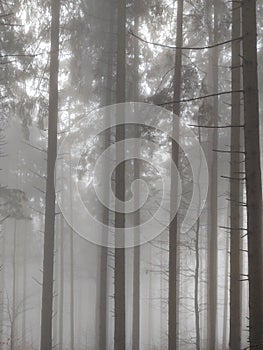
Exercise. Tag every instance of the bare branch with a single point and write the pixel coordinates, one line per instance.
(183, 47)
(200, 97)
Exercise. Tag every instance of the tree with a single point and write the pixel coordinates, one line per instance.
(136, 214)
(235, 189)
(173, 227)
(213, 185)
(119, 330)
(48, 263)
(253, 173)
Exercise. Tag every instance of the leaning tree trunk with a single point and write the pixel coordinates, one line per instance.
(119, 330)
(235, 171)
(253, 173)
(173, 228)
(48, 263)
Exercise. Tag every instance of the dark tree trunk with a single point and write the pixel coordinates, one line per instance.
(235, 222)
(136, 215)
(48, 263)
(119, 330)
(173, 228)
(103, 280)
(61, 283)
(213, 193)
(253, 173)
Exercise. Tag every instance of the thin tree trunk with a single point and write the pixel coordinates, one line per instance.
(48, 263)
(253, 173)
(72, 312)
(13, 320)
(196, 274)
(150, 302)
(226, 293)
(136, 215)
(119, 330)
(56, 287)
(24, 320)
(235, 222)
(173, 227)
(3, 244)
(61, 283)
(213, 192)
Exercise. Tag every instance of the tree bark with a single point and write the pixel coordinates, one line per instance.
(48, 263)
(136, 214)
(103, 280)
(24, 319)
(226, 297)
(235, 169)
(173, 227)
(119, 329)
(253, 173)
(14, 311)
(213, 193)
(61, 282)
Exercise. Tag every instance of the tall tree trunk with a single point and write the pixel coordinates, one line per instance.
(14, 310)
(197, 270)
(213, 193)
(48, 263)
(61, 283)
(24, 320)
(253, 173)
(103, 279)
(173, 227)
(136, 215)
(150, 301)
(56, 288)
(235, 171)
(119, 329)
(72, 304)
(2, 290)
(226, 296)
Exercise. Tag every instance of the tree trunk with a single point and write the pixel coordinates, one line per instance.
(136, 214)
(72, 309)
(2, 271)
(253, 173)
(213, 193)
(48, 263)
(61, 283)
(173, 227)
(226, 294)
(14, 311)
(197, 271)
(25, 242)
(119, 330)
(103, 280)
(235, 222)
